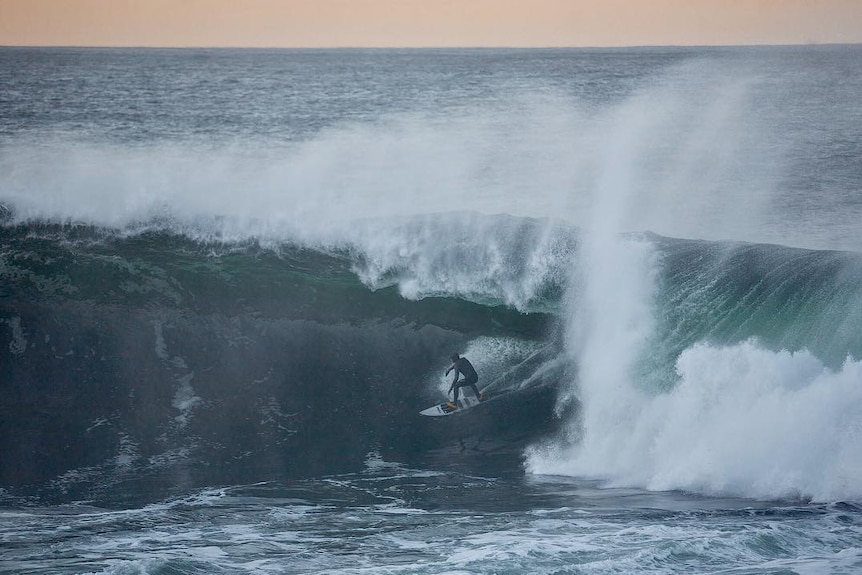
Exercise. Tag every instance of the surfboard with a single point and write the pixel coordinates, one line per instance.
(443, 409)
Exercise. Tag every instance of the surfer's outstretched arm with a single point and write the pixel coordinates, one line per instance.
(451, 367)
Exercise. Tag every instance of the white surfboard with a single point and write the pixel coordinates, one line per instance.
(443, 409)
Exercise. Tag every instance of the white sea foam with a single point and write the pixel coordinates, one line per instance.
(705, 163)
(742, 421)
(18, 342)
(477, 257)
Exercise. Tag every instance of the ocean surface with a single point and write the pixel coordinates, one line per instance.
(231, 279)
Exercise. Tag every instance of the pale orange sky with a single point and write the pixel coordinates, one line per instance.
(419, 23)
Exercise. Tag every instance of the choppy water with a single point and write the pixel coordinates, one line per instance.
(392, 519)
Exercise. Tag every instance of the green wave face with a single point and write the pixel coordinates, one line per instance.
(785, 298)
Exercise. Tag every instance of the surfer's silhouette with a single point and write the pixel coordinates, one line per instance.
(462, 366)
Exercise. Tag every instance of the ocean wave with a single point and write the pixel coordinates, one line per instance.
(296, 343)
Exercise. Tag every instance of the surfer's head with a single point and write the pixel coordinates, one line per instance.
(454, 357)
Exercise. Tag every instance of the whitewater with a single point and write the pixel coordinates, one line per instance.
(230, 279)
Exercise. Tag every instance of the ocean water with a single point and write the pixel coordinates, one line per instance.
(230, 280)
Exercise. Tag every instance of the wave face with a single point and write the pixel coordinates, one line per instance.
(223, 266)
(688, 364)
(140, 355)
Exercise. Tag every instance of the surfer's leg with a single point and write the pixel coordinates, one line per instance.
(472, 383)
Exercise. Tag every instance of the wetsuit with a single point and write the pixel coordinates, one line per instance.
(465, 368)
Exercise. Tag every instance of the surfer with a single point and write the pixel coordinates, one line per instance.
(462, 366)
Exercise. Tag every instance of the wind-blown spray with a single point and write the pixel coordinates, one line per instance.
(738, 418)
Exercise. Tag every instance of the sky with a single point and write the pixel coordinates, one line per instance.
(426, 23)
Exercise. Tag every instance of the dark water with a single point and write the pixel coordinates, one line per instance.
(229, 280)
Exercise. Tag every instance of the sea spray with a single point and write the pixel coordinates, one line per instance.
(611, 324)
(610, 306)
(490, 259)
(688, 434)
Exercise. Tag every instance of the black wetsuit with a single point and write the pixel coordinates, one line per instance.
(465, 368)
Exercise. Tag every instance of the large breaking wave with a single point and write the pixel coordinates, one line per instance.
(677, 364)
